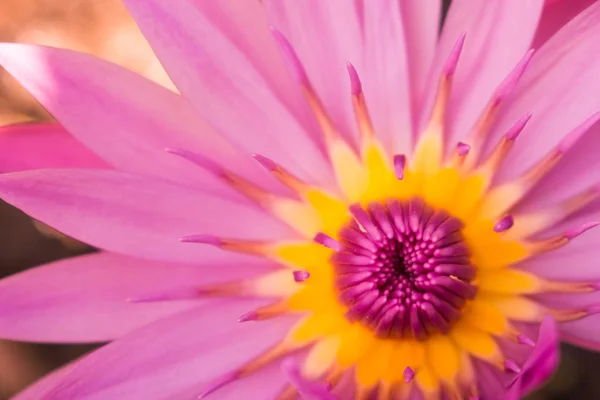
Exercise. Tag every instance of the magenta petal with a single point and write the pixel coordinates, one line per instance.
(498, 34)
(135, 215)
(556, 14)
(83, 299)
(43, 145)
(543, 359)
(181, 354)
(123, 117)
(562, 73)
(207, 49)
(579, 170)
(334, 39)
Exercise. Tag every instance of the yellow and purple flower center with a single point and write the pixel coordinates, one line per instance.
(402, 269)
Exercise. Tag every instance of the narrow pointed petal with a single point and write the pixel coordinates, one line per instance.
(557, 13)
(205, 48)
(499, 33)
(43, 145)
(135, 215)
(576, 172)
(155, 361)
(564, 69)
(123, 117)
(335, 38)
(83, 299)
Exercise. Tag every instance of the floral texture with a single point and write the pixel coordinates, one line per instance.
(341, 202)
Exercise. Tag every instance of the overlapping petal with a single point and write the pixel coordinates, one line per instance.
(559, 88)
(555, 15)
(498, 34)
(135, 215)
(123, 117)
(208, 58)
(43, 145)
(334, 39)
(83, 299)
(157, 361)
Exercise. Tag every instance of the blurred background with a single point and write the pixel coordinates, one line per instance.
(105, 29)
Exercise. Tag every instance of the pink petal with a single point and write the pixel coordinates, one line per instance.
(43, 145)
(123, 117)
(543, 359)
(325, 35)
(499, 33)
(385, 74)
(421, 21)
(83, 299)
(579, 170)
(562, 74)
(177, 355)
(213, 62)
(556, 14)
(135, 215)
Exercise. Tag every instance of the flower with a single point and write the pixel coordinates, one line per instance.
(401, 234)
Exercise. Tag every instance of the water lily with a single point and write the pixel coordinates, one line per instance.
(341, 203)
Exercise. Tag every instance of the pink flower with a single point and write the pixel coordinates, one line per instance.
(403, 234)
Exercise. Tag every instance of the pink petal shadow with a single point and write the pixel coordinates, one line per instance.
(43, 145)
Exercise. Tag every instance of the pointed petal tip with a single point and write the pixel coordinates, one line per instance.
(355, 83)
(453, 57)
(265, 162)
(504, 224)
(409, 374)
(301, 276)
(526, 340)
(399, 166)
(249, 316)
(325, 240)
(462, 149)
(518, 127)
(573, 137)
(202, 238)
(579, 230)
(512, 366)
(290, 56)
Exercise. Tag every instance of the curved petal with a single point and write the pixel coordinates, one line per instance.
(577, 171)
(334, 38)
(559, 88)
(83, 299)
(544, 357)
(498, 34)
(123, 117)
(202, 49)
(180, 354)
(43, 145)
(577, 261)
(556, 14)
(135, 215)
(421, 21)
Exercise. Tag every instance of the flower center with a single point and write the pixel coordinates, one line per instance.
(403, 269)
